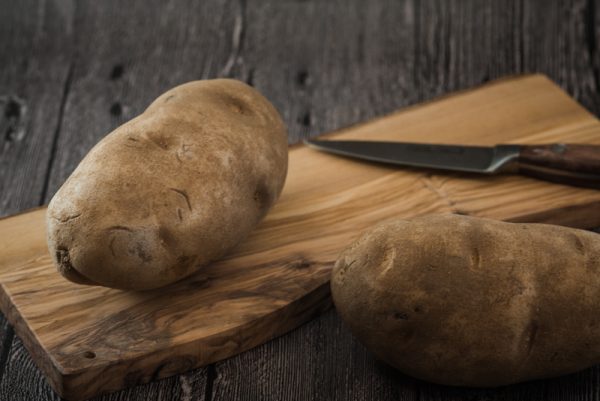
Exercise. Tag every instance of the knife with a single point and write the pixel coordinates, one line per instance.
(573, 164)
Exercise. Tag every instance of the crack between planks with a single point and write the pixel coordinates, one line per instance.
(54, 148)
(417, 46)
(238, 37)
(211, 375)
(6, 345)
(447, 76)
(590, 40)
(521, 55)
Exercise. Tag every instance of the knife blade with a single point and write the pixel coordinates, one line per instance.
(573, 164)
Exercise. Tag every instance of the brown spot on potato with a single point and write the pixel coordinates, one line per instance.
(578, 244)
(166, 237)
(400, 316)
(184, 195)
(65, 267)
(343, 267)
(475, 258)
(140, 251)
(262, 197)
(133, 142)
(159, 139)
(532, 331)
(63, 259)
(184, 263)
(65, 219)
(111, 247)
(238, 106)
(119, 228)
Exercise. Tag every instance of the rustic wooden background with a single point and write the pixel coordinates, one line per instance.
(72, 70)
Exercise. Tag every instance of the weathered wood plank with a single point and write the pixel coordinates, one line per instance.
(556, 42)
(323, 361)
(23, 381)
(318, 361)
(34, 78)
(20, 386)
(328, 64)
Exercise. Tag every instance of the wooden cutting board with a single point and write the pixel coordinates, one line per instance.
(90, 340)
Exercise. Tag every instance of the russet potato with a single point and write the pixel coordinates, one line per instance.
(171, 190)
(467, 301)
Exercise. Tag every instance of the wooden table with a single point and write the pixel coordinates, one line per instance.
(72, 70)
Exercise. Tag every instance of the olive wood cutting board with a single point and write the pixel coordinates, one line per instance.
(90, 340)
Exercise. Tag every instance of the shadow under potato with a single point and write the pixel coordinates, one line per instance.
(572, 386)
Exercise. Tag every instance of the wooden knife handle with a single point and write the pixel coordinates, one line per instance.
(571, 164)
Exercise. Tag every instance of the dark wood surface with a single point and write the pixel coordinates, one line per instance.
(71, 71)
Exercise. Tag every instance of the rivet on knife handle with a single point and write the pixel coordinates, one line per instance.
(572, 164)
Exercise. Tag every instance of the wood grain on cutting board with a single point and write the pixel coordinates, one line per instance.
(89, 340)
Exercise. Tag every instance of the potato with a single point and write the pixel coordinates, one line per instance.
(473, 302)
(171, 190)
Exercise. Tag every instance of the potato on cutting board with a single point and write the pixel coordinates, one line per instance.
(473, 302)
(171, 190)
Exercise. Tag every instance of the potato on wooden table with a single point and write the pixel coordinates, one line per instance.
(473, 302)
(171, 190)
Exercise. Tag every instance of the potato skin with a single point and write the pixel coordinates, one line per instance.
(171, 190)
(473, 302)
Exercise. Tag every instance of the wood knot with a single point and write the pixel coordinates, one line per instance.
(305, 120)
(116, 109)
(117, 72)
(302, 78)
(12, 120)
(89, 354)
(300, 264)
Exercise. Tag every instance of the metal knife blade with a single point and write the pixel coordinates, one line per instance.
(474, 159)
